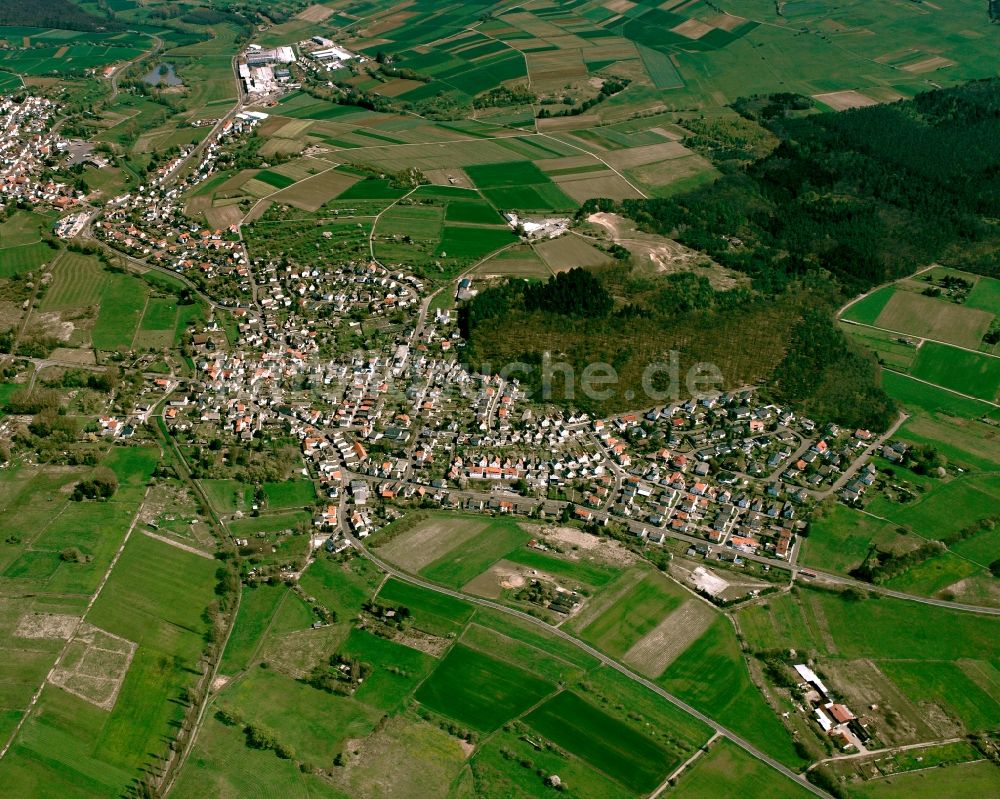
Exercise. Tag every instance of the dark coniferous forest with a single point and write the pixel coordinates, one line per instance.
(846, 201)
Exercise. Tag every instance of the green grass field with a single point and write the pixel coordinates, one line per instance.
(227, 496)
(964, 781)
(644, 605)
(431, 612)
(341, 587)
(155, 598)
(312, 722)
(840, 538)
(963, 371)
(985, 295)
(947, 505)
(480, 691)
(290, 494)
(619, 751)
(946, 684)
(122, 301)
(477, 213)
(711, 676)
(728, 771)
(223, 765)
(589, 573)
(257, 608)
(24, 258)
(867, 310)
(398, 669)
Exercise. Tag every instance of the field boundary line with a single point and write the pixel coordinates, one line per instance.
(76, 629)
(943, 388)
(177, 544)
(923, 339)
(605, 659)
(699, 752)
(138, 326)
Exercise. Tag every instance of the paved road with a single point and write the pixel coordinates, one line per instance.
(598, 655)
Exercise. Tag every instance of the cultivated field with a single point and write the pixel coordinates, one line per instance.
(629, 608)
(431, 540)
(479, 691)
(656, 650)
(916, 315)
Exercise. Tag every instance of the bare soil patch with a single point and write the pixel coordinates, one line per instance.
(401, 759)
(863, 685)
(46, 625)
(596, 184)
(569, 251)
(928, 65)
(316, 13)
(607, 549)
(692, 29)
(662, 254)
(73, 355)
(95, 666)
(917, 315)
(840, 101)
(433, 645)
(647, 154)
(707, 581)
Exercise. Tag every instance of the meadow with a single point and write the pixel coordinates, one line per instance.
(433, 613)
(840, 537)
(458, 567)
(155, 598)
(257, 606)
(290, 494)
(726, 770)
(967, 372)
(479, 691)
(712, 676)
(620, 751)
(890, 653)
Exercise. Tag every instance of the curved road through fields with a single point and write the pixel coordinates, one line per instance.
(745, 745)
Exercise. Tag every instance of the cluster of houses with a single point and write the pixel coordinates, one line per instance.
(151, 223)
(409, 422)
(338, 290)
(835, 719)
(402, 418)
(28, 149)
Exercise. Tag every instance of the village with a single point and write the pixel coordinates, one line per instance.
(395, 417)
(29, 153)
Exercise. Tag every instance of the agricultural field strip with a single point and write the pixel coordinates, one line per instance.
(375, 221)
(76, 629)
(289, 186)
(745, 745)
(944, 388)
(519, 134)
(922, 338)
